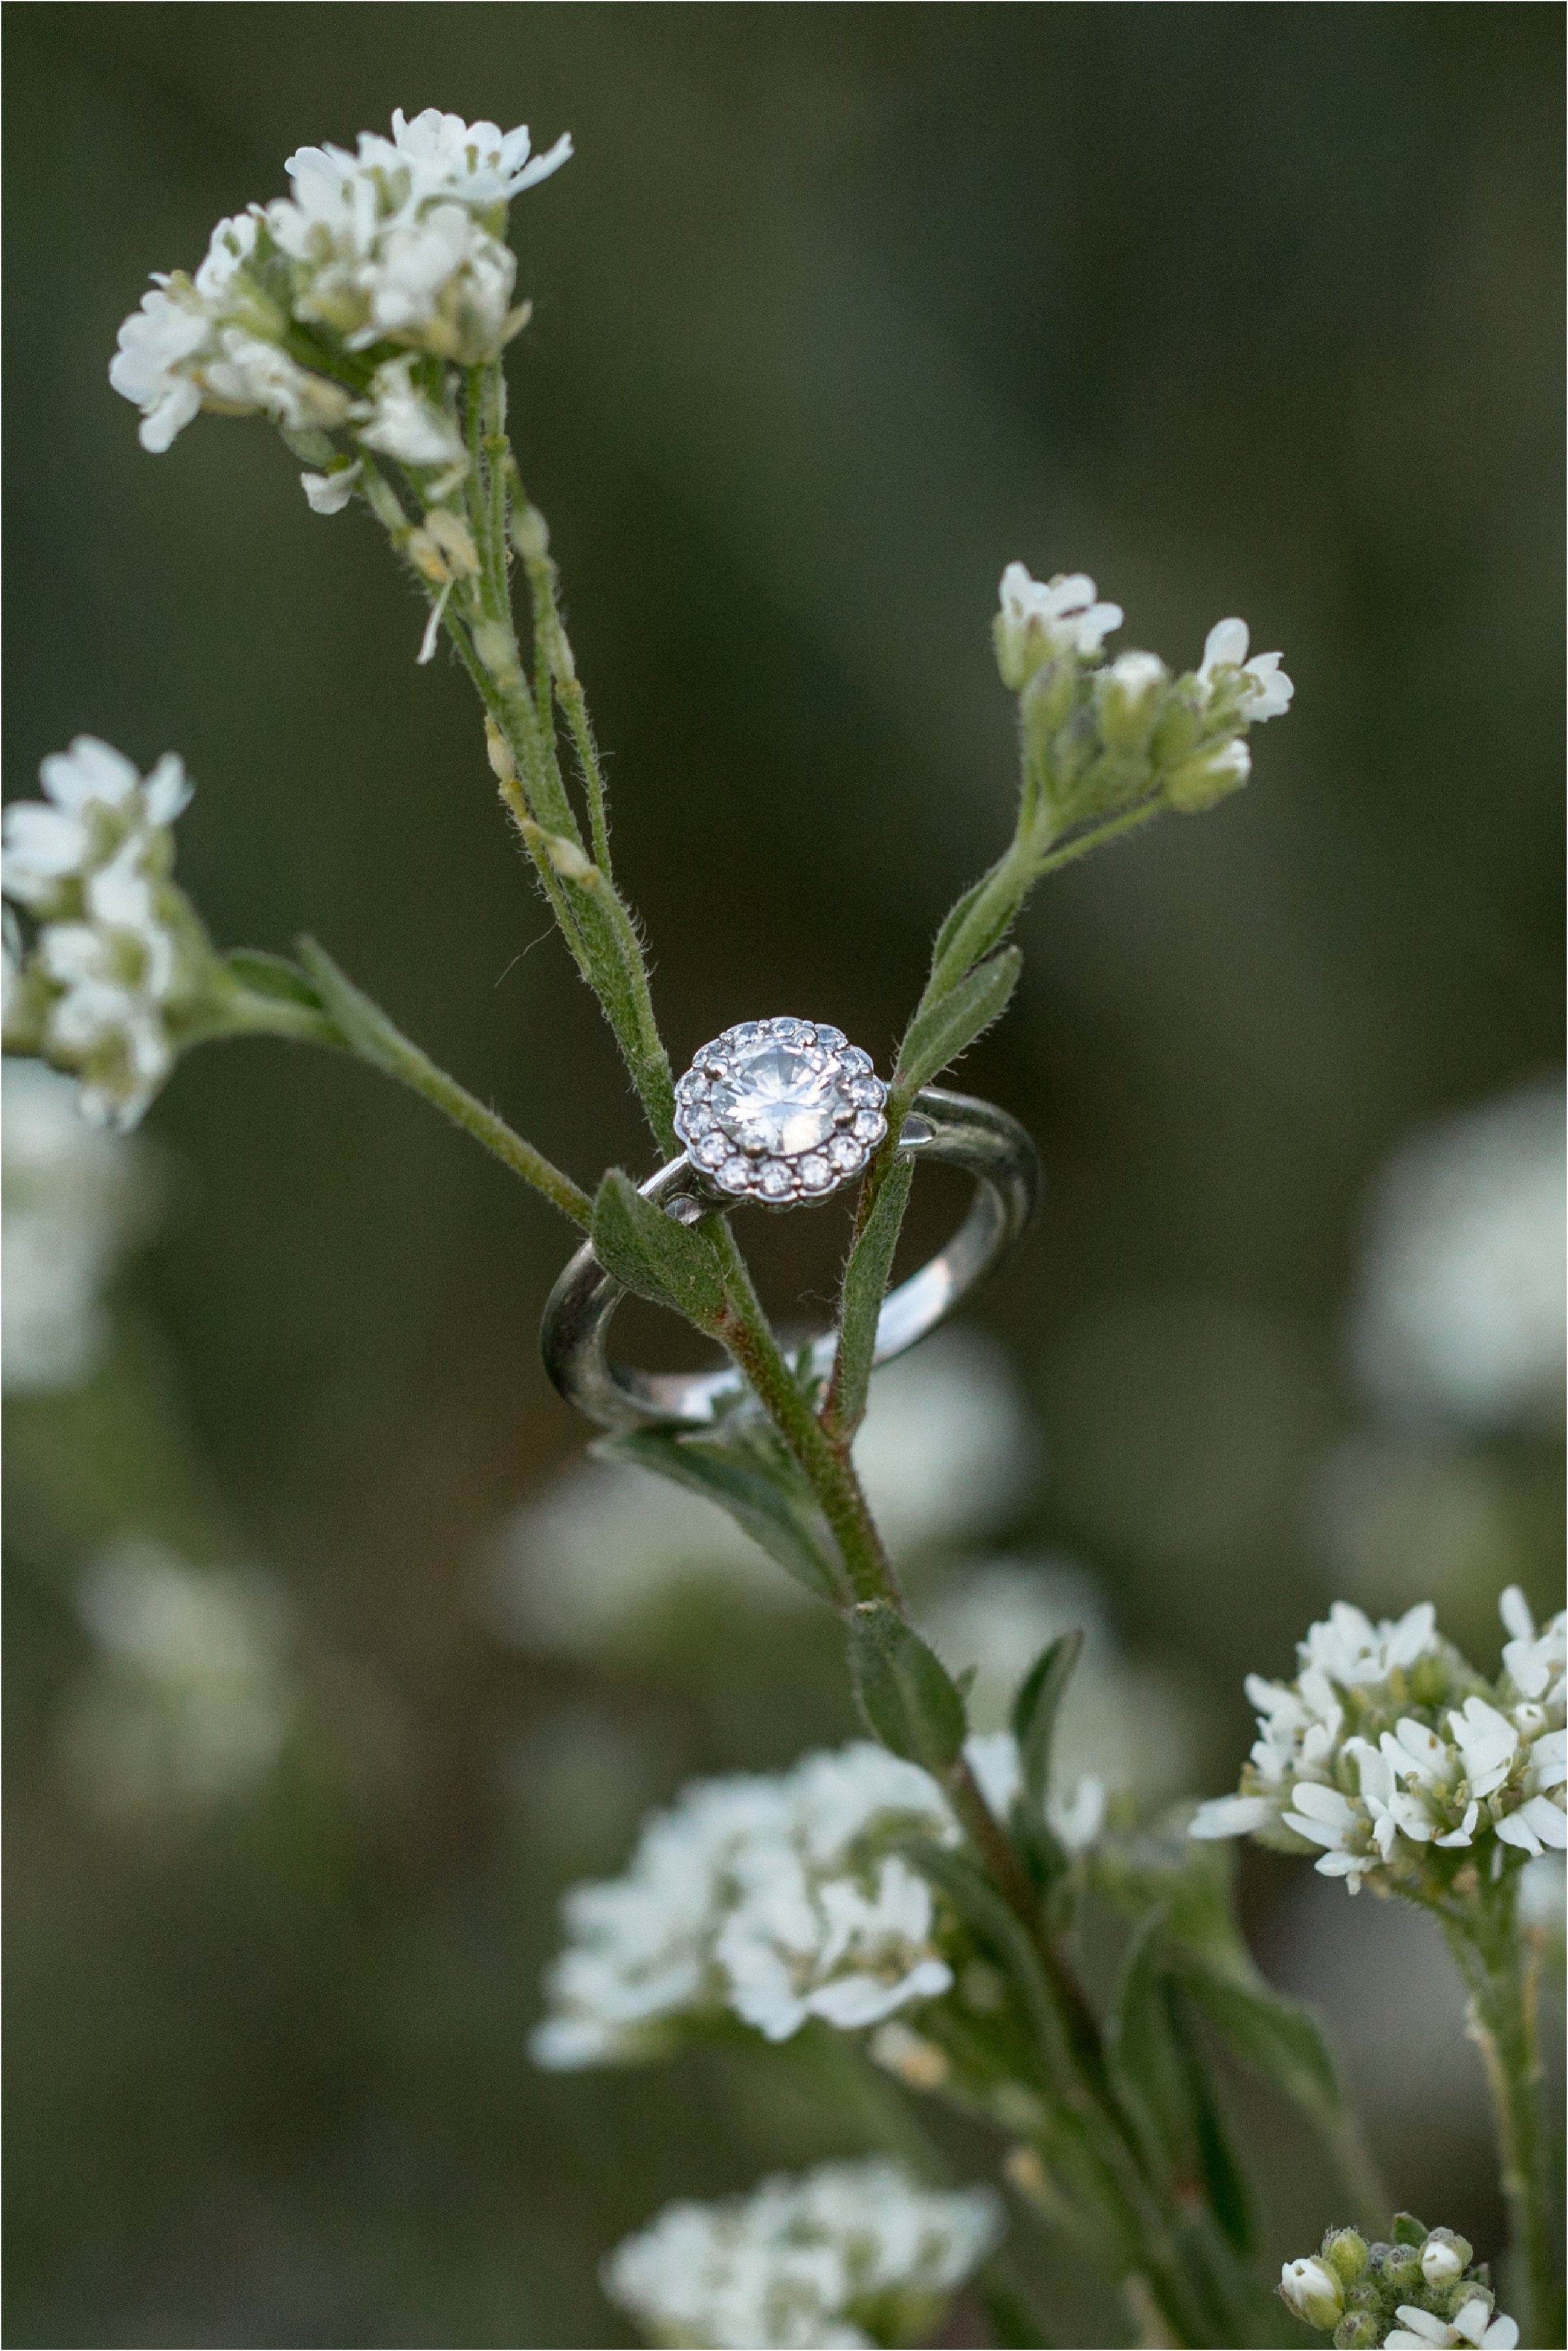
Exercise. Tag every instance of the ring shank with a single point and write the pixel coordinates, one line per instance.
(953, 1130)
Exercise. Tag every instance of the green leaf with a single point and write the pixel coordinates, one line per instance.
(273, 976)
(783, 1522)
(357, 1017)
(865, 1286)
(1035, 1707)
(1229, 2194)
(951, 1026)
(1145, 2064)
(903, 1689)
(1407, 2231)
(953, 921)
(649, 1252)
(1275, 2036)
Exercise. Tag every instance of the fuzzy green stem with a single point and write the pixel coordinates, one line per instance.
(1498, 1967)
(355, 1025)
(749, 1337)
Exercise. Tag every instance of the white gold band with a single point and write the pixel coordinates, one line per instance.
(953, 1130)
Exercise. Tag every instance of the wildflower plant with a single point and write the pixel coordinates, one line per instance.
(912, 1905)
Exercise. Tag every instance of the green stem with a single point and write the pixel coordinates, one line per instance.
(749, 1337)
(355, 1025)
(1498, 1967)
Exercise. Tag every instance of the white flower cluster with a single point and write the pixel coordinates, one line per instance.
(849, 2254)
(75, 1201)
(1112, 731)
(397, 251)
(1356, 2289)
(117, 946)
(777, 1899)
(1387, 1749)
(189, 1697)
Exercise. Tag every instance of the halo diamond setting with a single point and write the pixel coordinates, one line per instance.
(780, 1111)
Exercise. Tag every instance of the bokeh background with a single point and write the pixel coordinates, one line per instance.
(327, 1666)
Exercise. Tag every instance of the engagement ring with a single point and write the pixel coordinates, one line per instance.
(784, 1112)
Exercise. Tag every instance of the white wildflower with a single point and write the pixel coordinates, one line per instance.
(246, 372)
(95, 800)
(778, 1899)
(403, 424)
(1474, 2324)
(1041, 621)
(75, 1201)
(154, 366)
(1534, 1663)
(189, 1697)
(475, 162)
(1266, 690)
(850, 2254)
(1461, 1316)
(328, 494)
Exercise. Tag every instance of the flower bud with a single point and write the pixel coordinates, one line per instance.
(1129, 695)
(1199, 783)
(1445, 2257)
(1313, 2291)
(1399, 2267)
(498, 751)
(496, 648)
(454, 539)
(531, 534)
(567, 858)
(1359, 2330)
(1345, 2252)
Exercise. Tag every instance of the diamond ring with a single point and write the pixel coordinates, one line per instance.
(784, 1112)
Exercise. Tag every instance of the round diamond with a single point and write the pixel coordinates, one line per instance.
(854, 1060)
(776, 1180)
(735, 1174)
(776, 1096)
(867, 1094)
(870, 1126)
(828, 1035)
(815, 1174)
(844, 1154)
(696, 1118)
(710, 1151)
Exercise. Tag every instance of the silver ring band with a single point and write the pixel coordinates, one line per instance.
(954, 1130)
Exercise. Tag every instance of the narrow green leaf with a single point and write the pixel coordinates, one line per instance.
(865, 1286)
(1229, 2194)
(1407, 2231)
(1145, 2064)
(903, 1689)
(1035, 1709)
(951, 1026)
(651, 1254)
(781, 1521)
(1275, 2036)
(953, 921)
(273, 976)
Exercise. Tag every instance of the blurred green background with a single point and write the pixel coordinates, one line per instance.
(837, 309)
